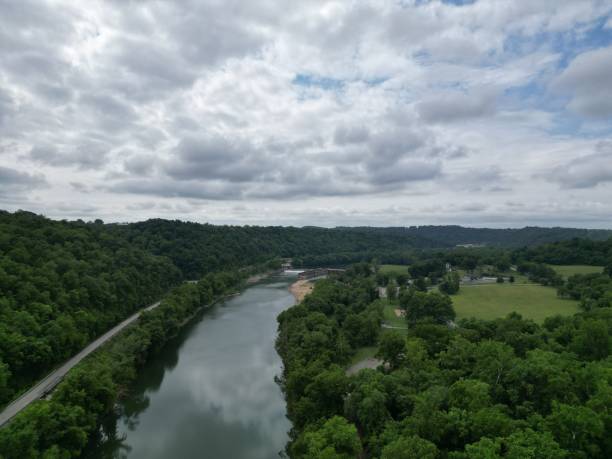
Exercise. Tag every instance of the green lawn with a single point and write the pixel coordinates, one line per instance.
(570, 270)
(491, 301)
(394, 269)
(389, 315)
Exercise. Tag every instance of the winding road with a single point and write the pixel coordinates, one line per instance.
(53, 379)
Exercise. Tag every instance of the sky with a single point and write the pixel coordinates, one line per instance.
(384, 113)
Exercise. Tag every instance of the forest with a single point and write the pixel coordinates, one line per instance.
(64, 283)
(506, 388)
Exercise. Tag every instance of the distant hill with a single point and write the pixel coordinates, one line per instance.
(453, 235)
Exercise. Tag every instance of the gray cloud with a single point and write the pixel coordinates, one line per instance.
(139, 164)
(456, 106)
(14, 181)
(406, 171)
(88, 154)
(344, 135)
(586, 171)
(6, 106)
(588, 79)
(177, 189)
(216, 157)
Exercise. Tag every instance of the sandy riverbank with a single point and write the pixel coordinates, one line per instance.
(300, 289)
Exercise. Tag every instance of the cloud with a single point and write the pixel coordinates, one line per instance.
(216, 157)
(6, 106)
(344, 135)
(588, 81)
(139, 164)
(88, 154)
(455, 106)
(330, 105)
(586, 171)
(13, 181)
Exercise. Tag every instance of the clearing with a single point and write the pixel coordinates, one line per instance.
(569, 270)
(389, 315)
(492, 301)
(300, 289)
(394, 269)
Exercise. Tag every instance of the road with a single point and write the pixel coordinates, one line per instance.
(48, 384)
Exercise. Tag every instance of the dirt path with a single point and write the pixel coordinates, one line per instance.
(300, 289)
(370, 362)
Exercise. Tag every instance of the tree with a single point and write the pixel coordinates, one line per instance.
(529, 444)
(392, 348)
(469, 394)
(592, 340)
(450, 283)
(433, 306)
(327, 391)
(412, 447)
(576, 428)
(336, 439)
(391, 290)
(420, 284)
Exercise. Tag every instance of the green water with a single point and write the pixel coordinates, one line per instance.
(210, 393)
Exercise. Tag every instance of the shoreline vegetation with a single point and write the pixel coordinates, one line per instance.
(73, 418)
(497, 388)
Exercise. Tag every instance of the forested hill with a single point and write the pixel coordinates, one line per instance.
(200, 248)
(61, 285)
(508, 237)
(572, 252)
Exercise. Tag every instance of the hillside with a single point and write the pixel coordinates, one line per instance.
(451, 235)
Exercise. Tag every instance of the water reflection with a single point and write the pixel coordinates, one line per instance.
(211, 392)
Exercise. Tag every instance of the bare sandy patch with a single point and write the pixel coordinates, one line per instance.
(300, 289)
(399, 313)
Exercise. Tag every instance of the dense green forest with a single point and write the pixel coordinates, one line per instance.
(61, 285)
(199, 248)
(508, 237)
(75, 416)
(64, 283)
(571, 252)
(507, 388)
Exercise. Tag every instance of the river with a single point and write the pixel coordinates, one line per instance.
(210, 394)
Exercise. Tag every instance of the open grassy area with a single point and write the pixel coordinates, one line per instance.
(570, 270)
(389, 314)
(394, 269)
(491, 301)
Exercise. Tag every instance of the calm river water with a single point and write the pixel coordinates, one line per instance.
(211, 393)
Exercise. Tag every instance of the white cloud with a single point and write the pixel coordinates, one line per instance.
(202, 106)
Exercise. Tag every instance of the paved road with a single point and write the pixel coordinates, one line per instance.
(46, 385)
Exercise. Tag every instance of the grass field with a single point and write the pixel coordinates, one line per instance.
(570, 270)
(390, 317)
(394, 269)
(491, 301)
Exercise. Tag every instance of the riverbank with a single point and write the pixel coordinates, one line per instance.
(89, 391)
(216, 375)
(300, 289)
